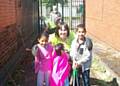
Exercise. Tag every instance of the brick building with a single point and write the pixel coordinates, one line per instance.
(18, 23)
(102, 21)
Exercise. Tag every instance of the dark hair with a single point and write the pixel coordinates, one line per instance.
(45, 33)
(58, 48)
(81, 26)
(40, 35)
(59, 26)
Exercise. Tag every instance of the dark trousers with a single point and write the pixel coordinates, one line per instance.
(85, 78)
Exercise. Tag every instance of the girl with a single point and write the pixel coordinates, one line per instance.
(61, 67)
(43, 59)
(81, 53)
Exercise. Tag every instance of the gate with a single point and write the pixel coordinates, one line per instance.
(72, 11)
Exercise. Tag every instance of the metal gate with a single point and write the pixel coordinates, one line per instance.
(72, 11)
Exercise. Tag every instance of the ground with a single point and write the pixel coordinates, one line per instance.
(25, 76)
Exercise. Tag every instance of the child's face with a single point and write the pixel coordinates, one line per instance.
(81, 33)
(43, 41)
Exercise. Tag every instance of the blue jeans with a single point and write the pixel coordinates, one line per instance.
(41, 77)
(86, 78)
(66, 82)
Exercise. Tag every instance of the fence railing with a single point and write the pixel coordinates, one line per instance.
(72, 11)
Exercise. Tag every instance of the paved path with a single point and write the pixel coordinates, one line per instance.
(109, 57)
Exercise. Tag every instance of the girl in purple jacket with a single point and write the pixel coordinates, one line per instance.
(43, 59)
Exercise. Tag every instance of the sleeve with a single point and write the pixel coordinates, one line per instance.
(85, 57)
(36, 62)
(34, 50)
(73, 50)
(51, 49)
(89, 43)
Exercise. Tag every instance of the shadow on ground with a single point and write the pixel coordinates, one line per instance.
(24, 76)
(97, 82)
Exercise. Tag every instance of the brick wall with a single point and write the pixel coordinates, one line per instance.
(7, 29)
(7, 12)
(102, 21)
(16, 26)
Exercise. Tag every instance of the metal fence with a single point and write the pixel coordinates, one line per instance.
(72, 11)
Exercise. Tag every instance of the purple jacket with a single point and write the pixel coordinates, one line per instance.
(43, 58)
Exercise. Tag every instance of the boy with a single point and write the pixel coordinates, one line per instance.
(81, 53)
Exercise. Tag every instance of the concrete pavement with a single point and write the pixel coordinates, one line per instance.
(109, 58)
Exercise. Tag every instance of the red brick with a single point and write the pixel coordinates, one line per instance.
(102, 21)
(15, 23)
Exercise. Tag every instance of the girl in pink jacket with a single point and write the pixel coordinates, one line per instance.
(43, 59)
(61, 67)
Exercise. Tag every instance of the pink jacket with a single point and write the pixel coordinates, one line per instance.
(43, 58)
(60, 70)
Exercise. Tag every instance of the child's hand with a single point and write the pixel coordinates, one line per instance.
(74, 66)
(28, 49)
(79, 66)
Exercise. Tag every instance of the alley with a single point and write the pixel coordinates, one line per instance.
(25, 76)
(21, 22)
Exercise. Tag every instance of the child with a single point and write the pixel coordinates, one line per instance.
(81, 53)
(61, 67)
(53, 20)
(43, 59)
